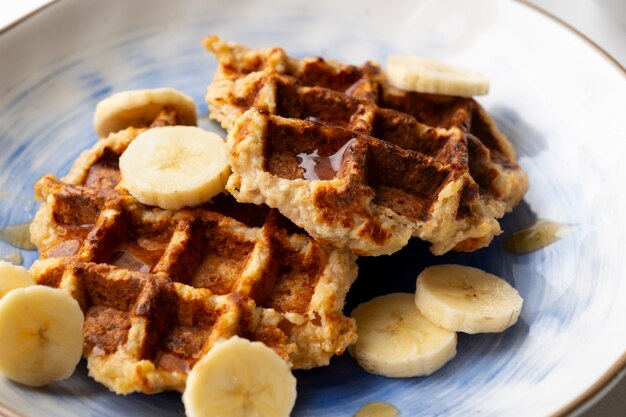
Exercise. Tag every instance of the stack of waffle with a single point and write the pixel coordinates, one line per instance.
(357, 163)
(335, 163)
(159, 287)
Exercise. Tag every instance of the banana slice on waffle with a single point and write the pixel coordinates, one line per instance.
(423, 75)
(175, 166)
(139, 108)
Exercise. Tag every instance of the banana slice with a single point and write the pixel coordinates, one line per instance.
(41, 335)
(13, 276)
(396, 340)
(175, 166)
(465, 299)
(414, 73)
(239, 378)
(139, 108)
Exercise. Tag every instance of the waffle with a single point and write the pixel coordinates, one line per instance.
(356, 163)
(159, 288)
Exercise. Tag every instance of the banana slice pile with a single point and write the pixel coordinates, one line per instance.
(46, 343)
(171, 166)
(414, 73)
(406, 335)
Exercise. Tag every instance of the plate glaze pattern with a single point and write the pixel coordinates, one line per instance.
(561, 116)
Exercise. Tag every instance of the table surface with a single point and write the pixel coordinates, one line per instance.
(589, 18)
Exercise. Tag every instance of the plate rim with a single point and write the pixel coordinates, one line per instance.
(594, 392)
(617, 371)
(10, 25)
(7, 411)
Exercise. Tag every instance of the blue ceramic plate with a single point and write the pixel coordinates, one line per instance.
(560, 101)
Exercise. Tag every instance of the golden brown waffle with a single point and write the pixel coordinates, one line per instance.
(355, 162)
(159, 288)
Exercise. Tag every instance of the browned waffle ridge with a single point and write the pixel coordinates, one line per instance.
(159, 288)
(356, 163)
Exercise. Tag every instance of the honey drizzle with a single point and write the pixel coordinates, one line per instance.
(377, 409)
(125, 259)
(538, 236)
(317, 167)
(17, 235)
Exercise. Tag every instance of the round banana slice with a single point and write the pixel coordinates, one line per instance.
(239, 378)
(414, 73)
(139, 108)
(13, 276)
(41, 335)
(175, 166)
(396, 340)
(465, 299)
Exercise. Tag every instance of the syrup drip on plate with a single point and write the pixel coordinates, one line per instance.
(17, 235)
(538, 236)
(14, 257)
(377, 409)
(317, 167)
